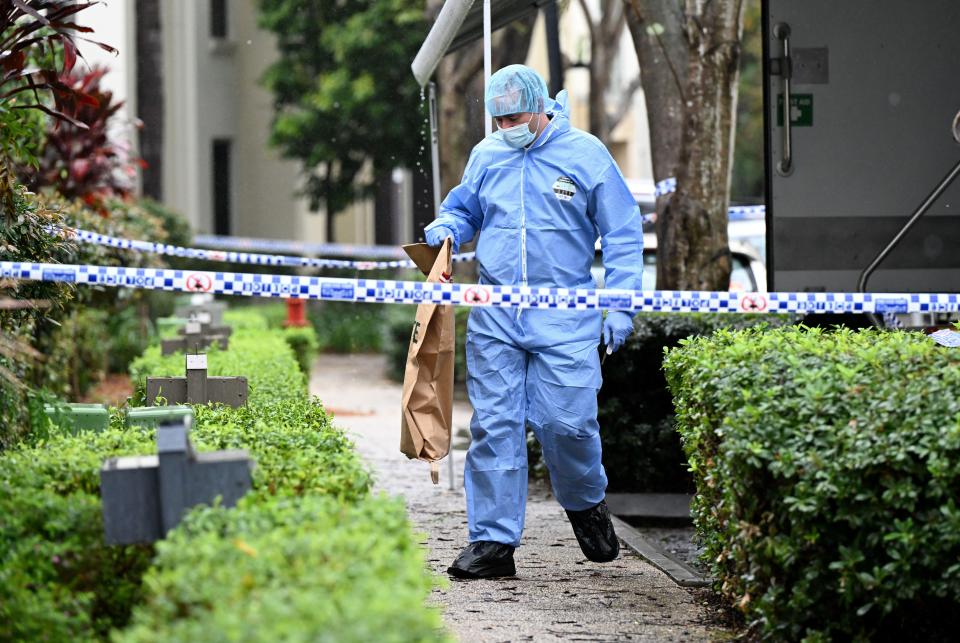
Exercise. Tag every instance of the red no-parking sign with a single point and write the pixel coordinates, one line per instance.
(476, 295)
(199, 282)
(753, 303)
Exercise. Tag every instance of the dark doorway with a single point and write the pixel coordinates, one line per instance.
(221, 186)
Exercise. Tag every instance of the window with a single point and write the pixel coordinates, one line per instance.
(221, 186)
(218, 18)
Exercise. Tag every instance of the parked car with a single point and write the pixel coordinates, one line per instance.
(748, 271)
(748, 243)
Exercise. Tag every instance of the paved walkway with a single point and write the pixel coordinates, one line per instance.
(557, 594)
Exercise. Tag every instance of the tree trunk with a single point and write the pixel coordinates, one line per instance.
(383, 212)
(663, 68)
(329, 213)
(692, 246)
(460, 92)
(459, 111)
(150, 94)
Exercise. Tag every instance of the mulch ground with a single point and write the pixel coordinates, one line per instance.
(113, 390)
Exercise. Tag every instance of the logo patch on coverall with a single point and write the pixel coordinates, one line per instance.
(564, 188)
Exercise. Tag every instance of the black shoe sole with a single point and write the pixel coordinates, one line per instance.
(497, 572)
(602, 559)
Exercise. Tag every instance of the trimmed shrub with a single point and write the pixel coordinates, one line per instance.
(57, 578)
(302, 568)
(307, 550)
(274, 313)
(263, 357)
(339, 326)
(245, 318)
(827, 467)
(641, 447)
(303, 342)
(298, 450)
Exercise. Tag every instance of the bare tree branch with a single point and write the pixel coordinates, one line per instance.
(469, 65)
(590, 22)
(624, 105)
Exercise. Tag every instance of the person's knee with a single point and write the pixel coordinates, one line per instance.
(496, 454)
(566, 411)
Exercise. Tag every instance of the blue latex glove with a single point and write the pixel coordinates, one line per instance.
(617, 326)
(435, 236)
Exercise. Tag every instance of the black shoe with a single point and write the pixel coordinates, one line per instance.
(594, 531)
(484, 559)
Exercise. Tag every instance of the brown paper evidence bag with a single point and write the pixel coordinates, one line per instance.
(427, 417)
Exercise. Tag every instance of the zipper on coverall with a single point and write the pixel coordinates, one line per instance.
(523, 229)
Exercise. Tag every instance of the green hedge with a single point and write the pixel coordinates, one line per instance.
(58, 581)
(307, 569)
(263, 357)
(641, 446)
(272, 313)
(246, 318)
(339, 327)
(303, 342)
(347, 327)
(828, 476)
(57, 576)
(308, 552)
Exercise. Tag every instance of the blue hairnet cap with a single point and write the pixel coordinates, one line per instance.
(514, 89)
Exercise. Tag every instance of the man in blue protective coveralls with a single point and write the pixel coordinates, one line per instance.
(539, 192)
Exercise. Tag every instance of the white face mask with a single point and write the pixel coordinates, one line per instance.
(520, 135)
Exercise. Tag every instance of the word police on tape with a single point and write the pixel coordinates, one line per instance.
(415, 292)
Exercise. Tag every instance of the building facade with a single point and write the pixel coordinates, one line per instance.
(218, 167)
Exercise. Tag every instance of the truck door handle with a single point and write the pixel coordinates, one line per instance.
(781, 31)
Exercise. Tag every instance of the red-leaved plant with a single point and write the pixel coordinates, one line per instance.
(36, 27)
(36, 36)
(80, 158)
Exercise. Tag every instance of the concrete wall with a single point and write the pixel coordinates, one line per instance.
(112, 25)
(213, 90)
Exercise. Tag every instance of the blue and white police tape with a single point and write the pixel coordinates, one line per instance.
(250, 244)
(665, 186)
(417, 292)
(736, 213)
(237, 257)
(298, 247)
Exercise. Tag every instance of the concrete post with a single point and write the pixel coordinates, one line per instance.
(144, 497)
(197, 379)
(196, 387)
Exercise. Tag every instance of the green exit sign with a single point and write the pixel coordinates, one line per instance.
(801, 110)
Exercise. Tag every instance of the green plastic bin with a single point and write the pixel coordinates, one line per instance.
(76, 416)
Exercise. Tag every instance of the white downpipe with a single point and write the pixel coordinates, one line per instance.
(487, 64)
(435, 148)
(438, 40)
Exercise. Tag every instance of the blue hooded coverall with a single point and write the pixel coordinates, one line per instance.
(539, 211)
